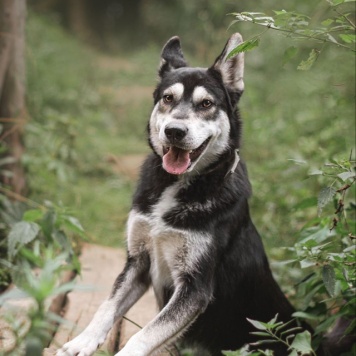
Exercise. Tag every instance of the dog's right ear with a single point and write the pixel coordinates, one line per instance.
(172, 56)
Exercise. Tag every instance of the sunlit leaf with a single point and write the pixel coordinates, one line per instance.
(348, 38)
(32, 215)
(331, 38)
(327, 22)
(244, 47)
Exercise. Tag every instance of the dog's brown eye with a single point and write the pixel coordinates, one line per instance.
(167, 98)
(206, 104)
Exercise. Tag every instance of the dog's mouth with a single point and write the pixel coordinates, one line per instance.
(177, 160)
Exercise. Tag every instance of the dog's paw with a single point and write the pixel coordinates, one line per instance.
(82, 345)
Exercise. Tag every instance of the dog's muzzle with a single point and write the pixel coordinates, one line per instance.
(176, 158)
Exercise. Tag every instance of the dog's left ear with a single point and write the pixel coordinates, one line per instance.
(232, 69)
(172, 56)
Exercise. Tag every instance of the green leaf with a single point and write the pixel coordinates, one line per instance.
(244, 47)
(261, 342)
(327, 22)
(21, 234)
(325, 325)
(32, 215)
(307, 64)
(299, 162)
(329, 279)
(73, 224)
(316, 172)
(304, 315)
(302, 343)
(289, 53)
(346, 175)
(325, 195)
(351, 327)
(61, 238)
(306, 263)
(257, 324)
(260, 333)
(348, 38)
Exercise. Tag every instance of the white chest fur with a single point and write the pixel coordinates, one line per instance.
(172, 251)
(165, 245)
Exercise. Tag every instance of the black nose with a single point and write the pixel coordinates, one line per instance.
(175, 134)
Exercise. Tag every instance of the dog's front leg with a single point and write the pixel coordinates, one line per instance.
(186, 304)
(128, 288)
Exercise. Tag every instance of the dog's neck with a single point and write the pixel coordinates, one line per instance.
(234, 164)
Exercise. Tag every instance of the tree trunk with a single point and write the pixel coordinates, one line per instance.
(77, 18)
(12, 92)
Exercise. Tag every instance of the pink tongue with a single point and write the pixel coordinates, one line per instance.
(176, 161)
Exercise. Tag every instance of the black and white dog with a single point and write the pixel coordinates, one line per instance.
(190, 235)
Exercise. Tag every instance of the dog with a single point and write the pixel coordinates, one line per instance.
(189, 231)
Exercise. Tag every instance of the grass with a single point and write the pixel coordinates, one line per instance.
(86, 107)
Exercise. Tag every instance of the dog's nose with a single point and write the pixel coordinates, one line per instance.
(175, 134)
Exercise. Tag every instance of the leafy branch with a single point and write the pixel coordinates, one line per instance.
(274, 332)
(338, 30)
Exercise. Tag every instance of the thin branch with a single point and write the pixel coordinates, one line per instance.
(301, 35)
(346, 18)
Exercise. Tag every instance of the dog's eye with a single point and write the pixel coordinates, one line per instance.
(167, 98)
(206, 104)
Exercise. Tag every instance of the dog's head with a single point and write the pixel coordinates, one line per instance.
(194, 120)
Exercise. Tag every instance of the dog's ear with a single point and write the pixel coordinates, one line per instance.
(232, 69)
(172, 56)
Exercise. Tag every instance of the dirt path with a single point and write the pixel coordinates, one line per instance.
(100, 267)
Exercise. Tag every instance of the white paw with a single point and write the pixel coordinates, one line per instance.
(82, 345)
(134, 347)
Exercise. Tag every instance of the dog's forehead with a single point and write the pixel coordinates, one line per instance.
(190, 81)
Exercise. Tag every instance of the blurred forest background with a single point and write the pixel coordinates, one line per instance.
(90, 73)
(91, 69)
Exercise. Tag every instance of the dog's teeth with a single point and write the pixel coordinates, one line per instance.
(190, 151)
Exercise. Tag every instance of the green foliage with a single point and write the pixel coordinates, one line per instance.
(277, 332)
(326, 249)
(297, 341)
(39, 248)
(82, 110)
(336, 30)
(29, 331)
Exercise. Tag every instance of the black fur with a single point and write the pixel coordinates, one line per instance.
(234, 281)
